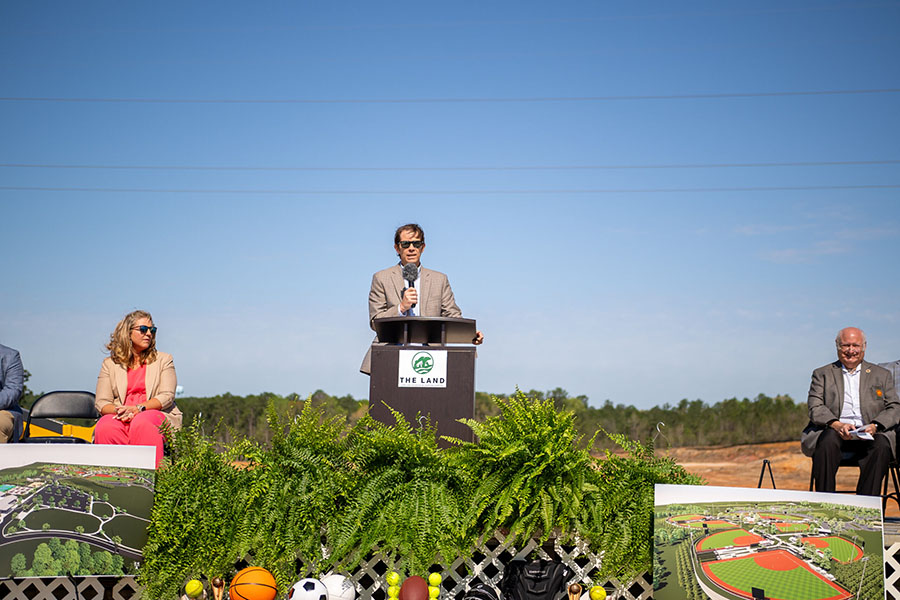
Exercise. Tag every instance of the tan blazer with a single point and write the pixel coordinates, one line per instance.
(878, 401)
(112, 384)
(435, 299)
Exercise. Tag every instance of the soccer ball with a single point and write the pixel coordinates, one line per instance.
(308, 589)
(339, 587)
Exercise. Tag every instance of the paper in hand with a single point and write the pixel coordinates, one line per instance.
(860, 433)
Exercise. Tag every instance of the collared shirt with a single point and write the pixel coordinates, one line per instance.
(414, 311)
(851, 411)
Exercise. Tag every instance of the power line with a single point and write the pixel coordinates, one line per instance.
(443, 24)
(506, 54)
(496, 192)
(487, 99)
(830, 163)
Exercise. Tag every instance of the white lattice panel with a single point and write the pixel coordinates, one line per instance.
(892, 571)
(63, 588)
(486, 565)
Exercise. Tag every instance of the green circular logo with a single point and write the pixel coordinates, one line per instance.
(422, 363)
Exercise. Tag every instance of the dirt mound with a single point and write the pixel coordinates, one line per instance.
(740, 466)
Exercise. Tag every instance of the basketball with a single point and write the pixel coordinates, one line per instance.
(253, 583)
(414, 588)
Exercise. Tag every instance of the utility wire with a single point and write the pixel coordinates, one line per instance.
(283, 62)
(829, 163)
(497, 192)
(459, 23)
(486, 99)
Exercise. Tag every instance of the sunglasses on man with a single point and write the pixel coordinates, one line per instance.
(415, 244)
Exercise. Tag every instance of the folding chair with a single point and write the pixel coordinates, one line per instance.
(60, 405)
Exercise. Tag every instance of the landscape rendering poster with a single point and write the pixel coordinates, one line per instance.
(754, 544)
(73, 509)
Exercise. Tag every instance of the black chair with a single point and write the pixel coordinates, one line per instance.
(60, 405)
(851, 459)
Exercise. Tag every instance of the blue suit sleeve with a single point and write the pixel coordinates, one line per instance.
(13, 382)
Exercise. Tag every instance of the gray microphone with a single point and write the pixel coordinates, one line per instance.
(410, 274)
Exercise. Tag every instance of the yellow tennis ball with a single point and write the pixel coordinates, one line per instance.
(193, 588)
(597, 593)
(393, 578)
(433, 592)
(394, 591)
(435, 579)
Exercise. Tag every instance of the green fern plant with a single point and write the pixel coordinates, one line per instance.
(193, 523)
(324, 495)
(527, 473)
(407, 499)
(291, 490)
(618, 516)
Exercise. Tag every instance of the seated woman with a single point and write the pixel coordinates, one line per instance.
(136, 387)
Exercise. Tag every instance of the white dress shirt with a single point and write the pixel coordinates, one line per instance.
(851, 411)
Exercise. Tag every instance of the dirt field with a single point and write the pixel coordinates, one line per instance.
(739, 466)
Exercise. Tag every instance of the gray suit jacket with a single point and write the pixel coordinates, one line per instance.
(894, 368)
(12, 383)
(877, 400)
(435, 299)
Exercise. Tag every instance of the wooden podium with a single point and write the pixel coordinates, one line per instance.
(415, 387)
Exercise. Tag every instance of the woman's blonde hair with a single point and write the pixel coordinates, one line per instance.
(119, 346)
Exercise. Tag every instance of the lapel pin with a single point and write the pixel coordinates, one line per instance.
(868, 370)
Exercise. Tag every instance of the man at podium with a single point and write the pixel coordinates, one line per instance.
(405, 291)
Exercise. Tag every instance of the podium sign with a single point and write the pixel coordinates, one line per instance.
(422, 368)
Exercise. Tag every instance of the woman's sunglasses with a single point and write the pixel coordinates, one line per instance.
(145, 329)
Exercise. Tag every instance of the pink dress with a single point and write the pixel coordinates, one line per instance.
(143, 429)
(136, 392)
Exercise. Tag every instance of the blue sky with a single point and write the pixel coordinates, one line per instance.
(637, 202)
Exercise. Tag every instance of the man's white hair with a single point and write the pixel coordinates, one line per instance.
(837, 340)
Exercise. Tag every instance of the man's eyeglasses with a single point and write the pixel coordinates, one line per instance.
(145, 329)
(415, 244)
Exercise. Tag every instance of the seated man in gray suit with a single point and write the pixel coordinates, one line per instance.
(391, 297)
(853, 407)
(12, 381)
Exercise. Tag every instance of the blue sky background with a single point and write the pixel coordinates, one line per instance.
(601, 209)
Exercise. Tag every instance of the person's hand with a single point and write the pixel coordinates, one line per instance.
(126, 413)
(479, 338)
(871, 428)
(410, 297)
(843, 429)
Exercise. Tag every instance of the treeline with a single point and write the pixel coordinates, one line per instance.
(54, 557)
(689, 423)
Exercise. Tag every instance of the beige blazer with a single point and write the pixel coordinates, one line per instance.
(878, 401)
(112, 384)
(435, 299)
